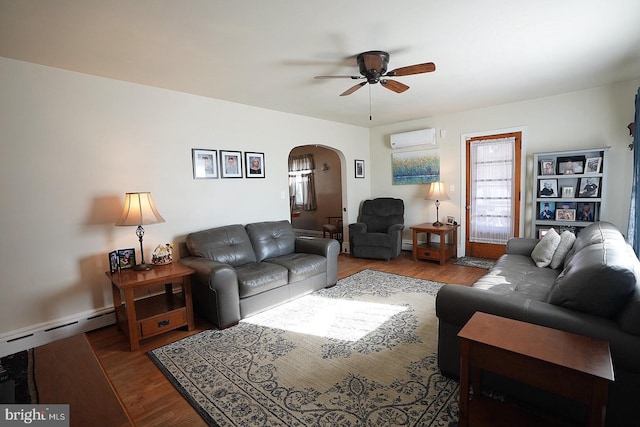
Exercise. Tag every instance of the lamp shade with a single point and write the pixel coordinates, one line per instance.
(437, 192)
(139, 209)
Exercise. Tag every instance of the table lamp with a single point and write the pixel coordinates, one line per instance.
(436, 192)
(139, 210)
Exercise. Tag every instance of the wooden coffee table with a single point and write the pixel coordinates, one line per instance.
(570, 365)
(150, 316)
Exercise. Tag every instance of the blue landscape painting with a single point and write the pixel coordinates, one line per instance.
(415, 167)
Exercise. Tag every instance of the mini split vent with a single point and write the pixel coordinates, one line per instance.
(418, 137)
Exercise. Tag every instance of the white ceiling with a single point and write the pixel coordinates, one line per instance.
(266, 52)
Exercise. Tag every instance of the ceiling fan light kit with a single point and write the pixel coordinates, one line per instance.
(373, 67)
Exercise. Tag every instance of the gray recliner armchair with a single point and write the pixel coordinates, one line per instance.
(378, 232)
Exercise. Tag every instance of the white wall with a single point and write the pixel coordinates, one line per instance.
(596, 117)
(73, 144)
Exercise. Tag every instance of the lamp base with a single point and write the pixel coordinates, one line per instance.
(143, 267)
(437, 224)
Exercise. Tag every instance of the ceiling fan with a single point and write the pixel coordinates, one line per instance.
(373, 67)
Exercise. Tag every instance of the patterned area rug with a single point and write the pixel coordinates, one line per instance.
(469, 261)
(359, 354)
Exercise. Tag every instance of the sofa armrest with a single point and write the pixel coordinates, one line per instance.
(216, 293)
(395, 228)
(328, 248)
(357, 228)
(521, 245)
(455, 304)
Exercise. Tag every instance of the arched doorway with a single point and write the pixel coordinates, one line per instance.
(327, 183)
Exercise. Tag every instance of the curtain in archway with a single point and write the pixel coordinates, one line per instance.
(301, 184)
(634, 211)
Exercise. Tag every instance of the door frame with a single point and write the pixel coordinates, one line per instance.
(462, 238)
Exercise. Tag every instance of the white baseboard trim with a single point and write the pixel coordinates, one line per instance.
(44, 333)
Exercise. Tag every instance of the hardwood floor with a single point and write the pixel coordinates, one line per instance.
(150, 398)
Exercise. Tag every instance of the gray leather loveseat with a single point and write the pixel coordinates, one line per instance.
(595, 292)
(243, 270)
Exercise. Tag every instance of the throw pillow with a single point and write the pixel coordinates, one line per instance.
(567, 240)
(546, 247)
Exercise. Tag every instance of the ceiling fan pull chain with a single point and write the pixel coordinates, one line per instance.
(369, 102)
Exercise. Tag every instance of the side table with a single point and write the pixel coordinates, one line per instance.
(153, 315)
(440, 251)
(575, 366)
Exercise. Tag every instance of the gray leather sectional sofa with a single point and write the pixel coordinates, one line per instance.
(243, 270)
(596, 292)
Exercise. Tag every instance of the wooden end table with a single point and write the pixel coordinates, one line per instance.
(440, 251)
(570, 365)
(153, 315)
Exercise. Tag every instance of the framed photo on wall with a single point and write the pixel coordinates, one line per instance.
(231, 164)
(205, 163)
(253, 165)
(359, 165)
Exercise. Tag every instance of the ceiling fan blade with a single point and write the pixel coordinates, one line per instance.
(339, 77)
(393, 85)
(427, 67)
(353, 89)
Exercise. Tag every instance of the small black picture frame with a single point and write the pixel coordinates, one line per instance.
(589, 187)
(126, 258)
(113, 262)
(571, 165)
(205, 163)
(359, 167)
(548, 188)
(231, 164)
(253, 165)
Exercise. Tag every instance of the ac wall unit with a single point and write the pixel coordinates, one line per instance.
(418, 137)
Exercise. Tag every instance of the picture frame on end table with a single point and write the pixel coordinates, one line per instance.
(113, 262)
(359, 167)
(230, 164)
(126, 258)
(205, 163)
(451, 220)
(253, 165)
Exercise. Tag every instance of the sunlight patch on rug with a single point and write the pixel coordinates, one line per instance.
(327, 317)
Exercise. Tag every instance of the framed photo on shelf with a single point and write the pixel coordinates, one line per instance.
(565, 214)
(231, 164)
(547, 210)
(205, 163)
(547, 167)
(589, 187)
(568, 192)
(586, 212)
(359, 165)
(570, 165)
(548, 188)
(542, 232)
(126, 258)
(113, 262)
(593, 165)
(253, 165)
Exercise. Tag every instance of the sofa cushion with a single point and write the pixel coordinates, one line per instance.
(546, 247)
(257, 277)
(600, 276)
(567, 239)
(229, 245)
(515, 274)
(301, 266)
(271, 239)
